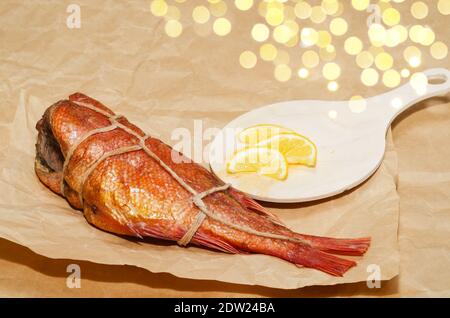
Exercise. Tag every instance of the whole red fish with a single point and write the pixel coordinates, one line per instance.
(126, 182)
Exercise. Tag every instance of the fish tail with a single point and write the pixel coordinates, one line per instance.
(343, 246)
(310, 257)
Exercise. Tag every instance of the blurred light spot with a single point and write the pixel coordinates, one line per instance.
(412, 55)
(360, 4)
(353, 45)
(332, 114)
(391, 17)
(419, 10)
(396, 103)
(200, 14)
(317, 14)
(439, 50)
(369, 77)
(268, 52)
(222, 26)
(391, 78)
(357, 104)
(324, 39)
(282, 73)
(158, 8)
(260, 32)
(338, 26)
(303, 73)
(405, 73)
(302, 10)
(333, 86)
(274, 16)
(281, 33)
(331, 71)
(309, 36)
(243, 5)
(377, 34)
(173, 28)
(310, 59)
(364, 59)
(173, 13)
(330, 7)
(384, 61)
(218, 8)
(247, 59)
(444, 6)
(328, 53)
(419, 82)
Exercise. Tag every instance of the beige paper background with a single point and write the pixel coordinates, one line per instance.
(126, 61)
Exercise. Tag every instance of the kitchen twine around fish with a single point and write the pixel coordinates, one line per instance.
(197, 198)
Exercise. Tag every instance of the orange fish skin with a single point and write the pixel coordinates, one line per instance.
(134, 195)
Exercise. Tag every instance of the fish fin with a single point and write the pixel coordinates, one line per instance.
(312, 258)
(251, 204)
(343, 246)
(214, 243)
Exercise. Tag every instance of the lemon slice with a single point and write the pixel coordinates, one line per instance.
(257, 133)
(265, 161)
(297, 149)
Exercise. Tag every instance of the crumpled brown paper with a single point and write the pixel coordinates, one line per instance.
(33, 216)
(122, 57)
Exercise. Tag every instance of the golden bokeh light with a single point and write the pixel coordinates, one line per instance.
(274, 15)
(377, 34)
(369, 77)
(200, 14)
(330, 7)
(243, 5)
(310, 59)
(413, 56)
(405, 73)
(327, 53)
(353, 45)
(333, 86)
(313, 28)
(222, 26)
(324, 39)
(439, 50)
(419, 10)
(391, 78)
(357, 104)
(338, 26)
(281, 33)
(419, 82)
(173, 28)
(248, 59)
(302, 10)
(391, 16)
(309, 36)
(260, 32)
(218, 8)
(173, 13)
(444, 7)
(331, 71)
(317, 14)
(303, 73)
(282, 73)
(158, 8)
(360, 5)
(384, 61)
(364, 59)
(268, 52)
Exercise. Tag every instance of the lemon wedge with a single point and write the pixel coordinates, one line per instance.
(265, 161)
(297, 149)
(257, 133)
